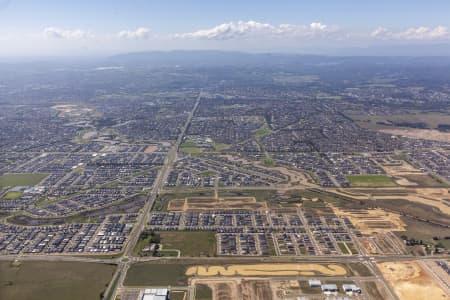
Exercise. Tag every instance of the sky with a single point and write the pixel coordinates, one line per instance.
(100, 27)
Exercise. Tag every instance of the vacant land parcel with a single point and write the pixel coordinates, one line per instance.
(410, 281)
(197, 243)
(370, 181)
(25, 179)
(232, 203)
(54, 280)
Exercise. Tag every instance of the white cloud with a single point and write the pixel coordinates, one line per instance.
(59, 33)
(139, 33)
(228, 30)
(380, 32)
(415, 33)
(317, 26)
(238, 29)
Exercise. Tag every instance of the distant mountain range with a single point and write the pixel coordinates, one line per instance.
(202, 58)
(434, 55)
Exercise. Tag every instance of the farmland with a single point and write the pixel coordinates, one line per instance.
(50, 280)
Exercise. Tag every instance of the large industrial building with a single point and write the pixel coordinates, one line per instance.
(156, 294)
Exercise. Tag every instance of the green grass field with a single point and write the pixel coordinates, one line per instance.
(190, 148)
(25, 179)
(190, 243)
(12, 195)
(39, 280)
(370, 181)
(268, 162)
(263, 131)
(151, 274)
(221, 146)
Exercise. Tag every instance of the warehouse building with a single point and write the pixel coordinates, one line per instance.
(156, 294)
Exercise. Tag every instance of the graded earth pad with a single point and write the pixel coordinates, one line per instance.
(411, 282)
(199, 204)
(401, 168)
(372, 220)
(268, 270)
(237, 288)
(151, 149)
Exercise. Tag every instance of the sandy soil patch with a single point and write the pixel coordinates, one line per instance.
(66, 108)
(411, 282)
(269, 270)
(204, 204)
(426, 134)
(368, 245)
(71, 109)
(405, 182)
(256, 290)
(403, 168)
(151, 149)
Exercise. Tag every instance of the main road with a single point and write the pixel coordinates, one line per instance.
(144, 216)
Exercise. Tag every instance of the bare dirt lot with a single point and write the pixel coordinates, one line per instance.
(71, 110)
(282, 269)
(408, 175)
(238, 288)
(426, 134)
(151, 149)
(401, 168)
(411, 282)
(372, 220)
(207, 203)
